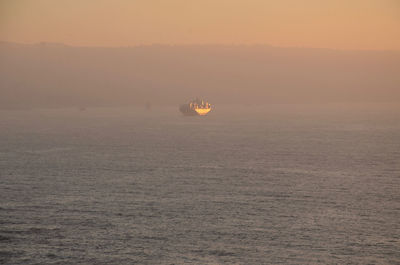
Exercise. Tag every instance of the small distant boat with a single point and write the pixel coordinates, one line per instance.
(196, 107)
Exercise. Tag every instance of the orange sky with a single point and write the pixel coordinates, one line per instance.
(339, 24)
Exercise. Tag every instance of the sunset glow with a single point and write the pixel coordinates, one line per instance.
(355, 24)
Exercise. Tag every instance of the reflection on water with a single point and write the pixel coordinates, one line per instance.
(292, 185)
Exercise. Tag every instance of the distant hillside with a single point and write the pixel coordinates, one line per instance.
(59, 75)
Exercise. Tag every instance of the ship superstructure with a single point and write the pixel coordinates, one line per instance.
(195, 107)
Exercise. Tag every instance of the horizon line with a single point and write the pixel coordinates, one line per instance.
(191, 44)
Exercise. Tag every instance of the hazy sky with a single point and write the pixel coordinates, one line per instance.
(339, 24)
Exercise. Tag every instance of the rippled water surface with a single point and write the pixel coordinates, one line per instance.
(281, 184)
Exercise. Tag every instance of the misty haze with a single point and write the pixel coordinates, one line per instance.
(199, 132)
(55, 75)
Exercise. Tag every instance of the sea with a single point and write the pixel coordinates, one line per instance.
(273, 184)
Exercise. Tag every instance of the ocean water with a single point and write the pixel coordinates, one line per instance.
(248, 185)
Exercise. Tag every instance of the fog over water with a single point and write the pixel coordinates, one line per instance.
(56, 75)
(290, 184)
(298, 161)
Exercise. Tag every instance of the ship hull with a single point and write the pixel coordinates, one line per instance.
(202, 112)
(187, 111)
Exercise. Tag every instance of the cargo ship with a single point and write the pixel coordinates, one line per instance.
(195, 107)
